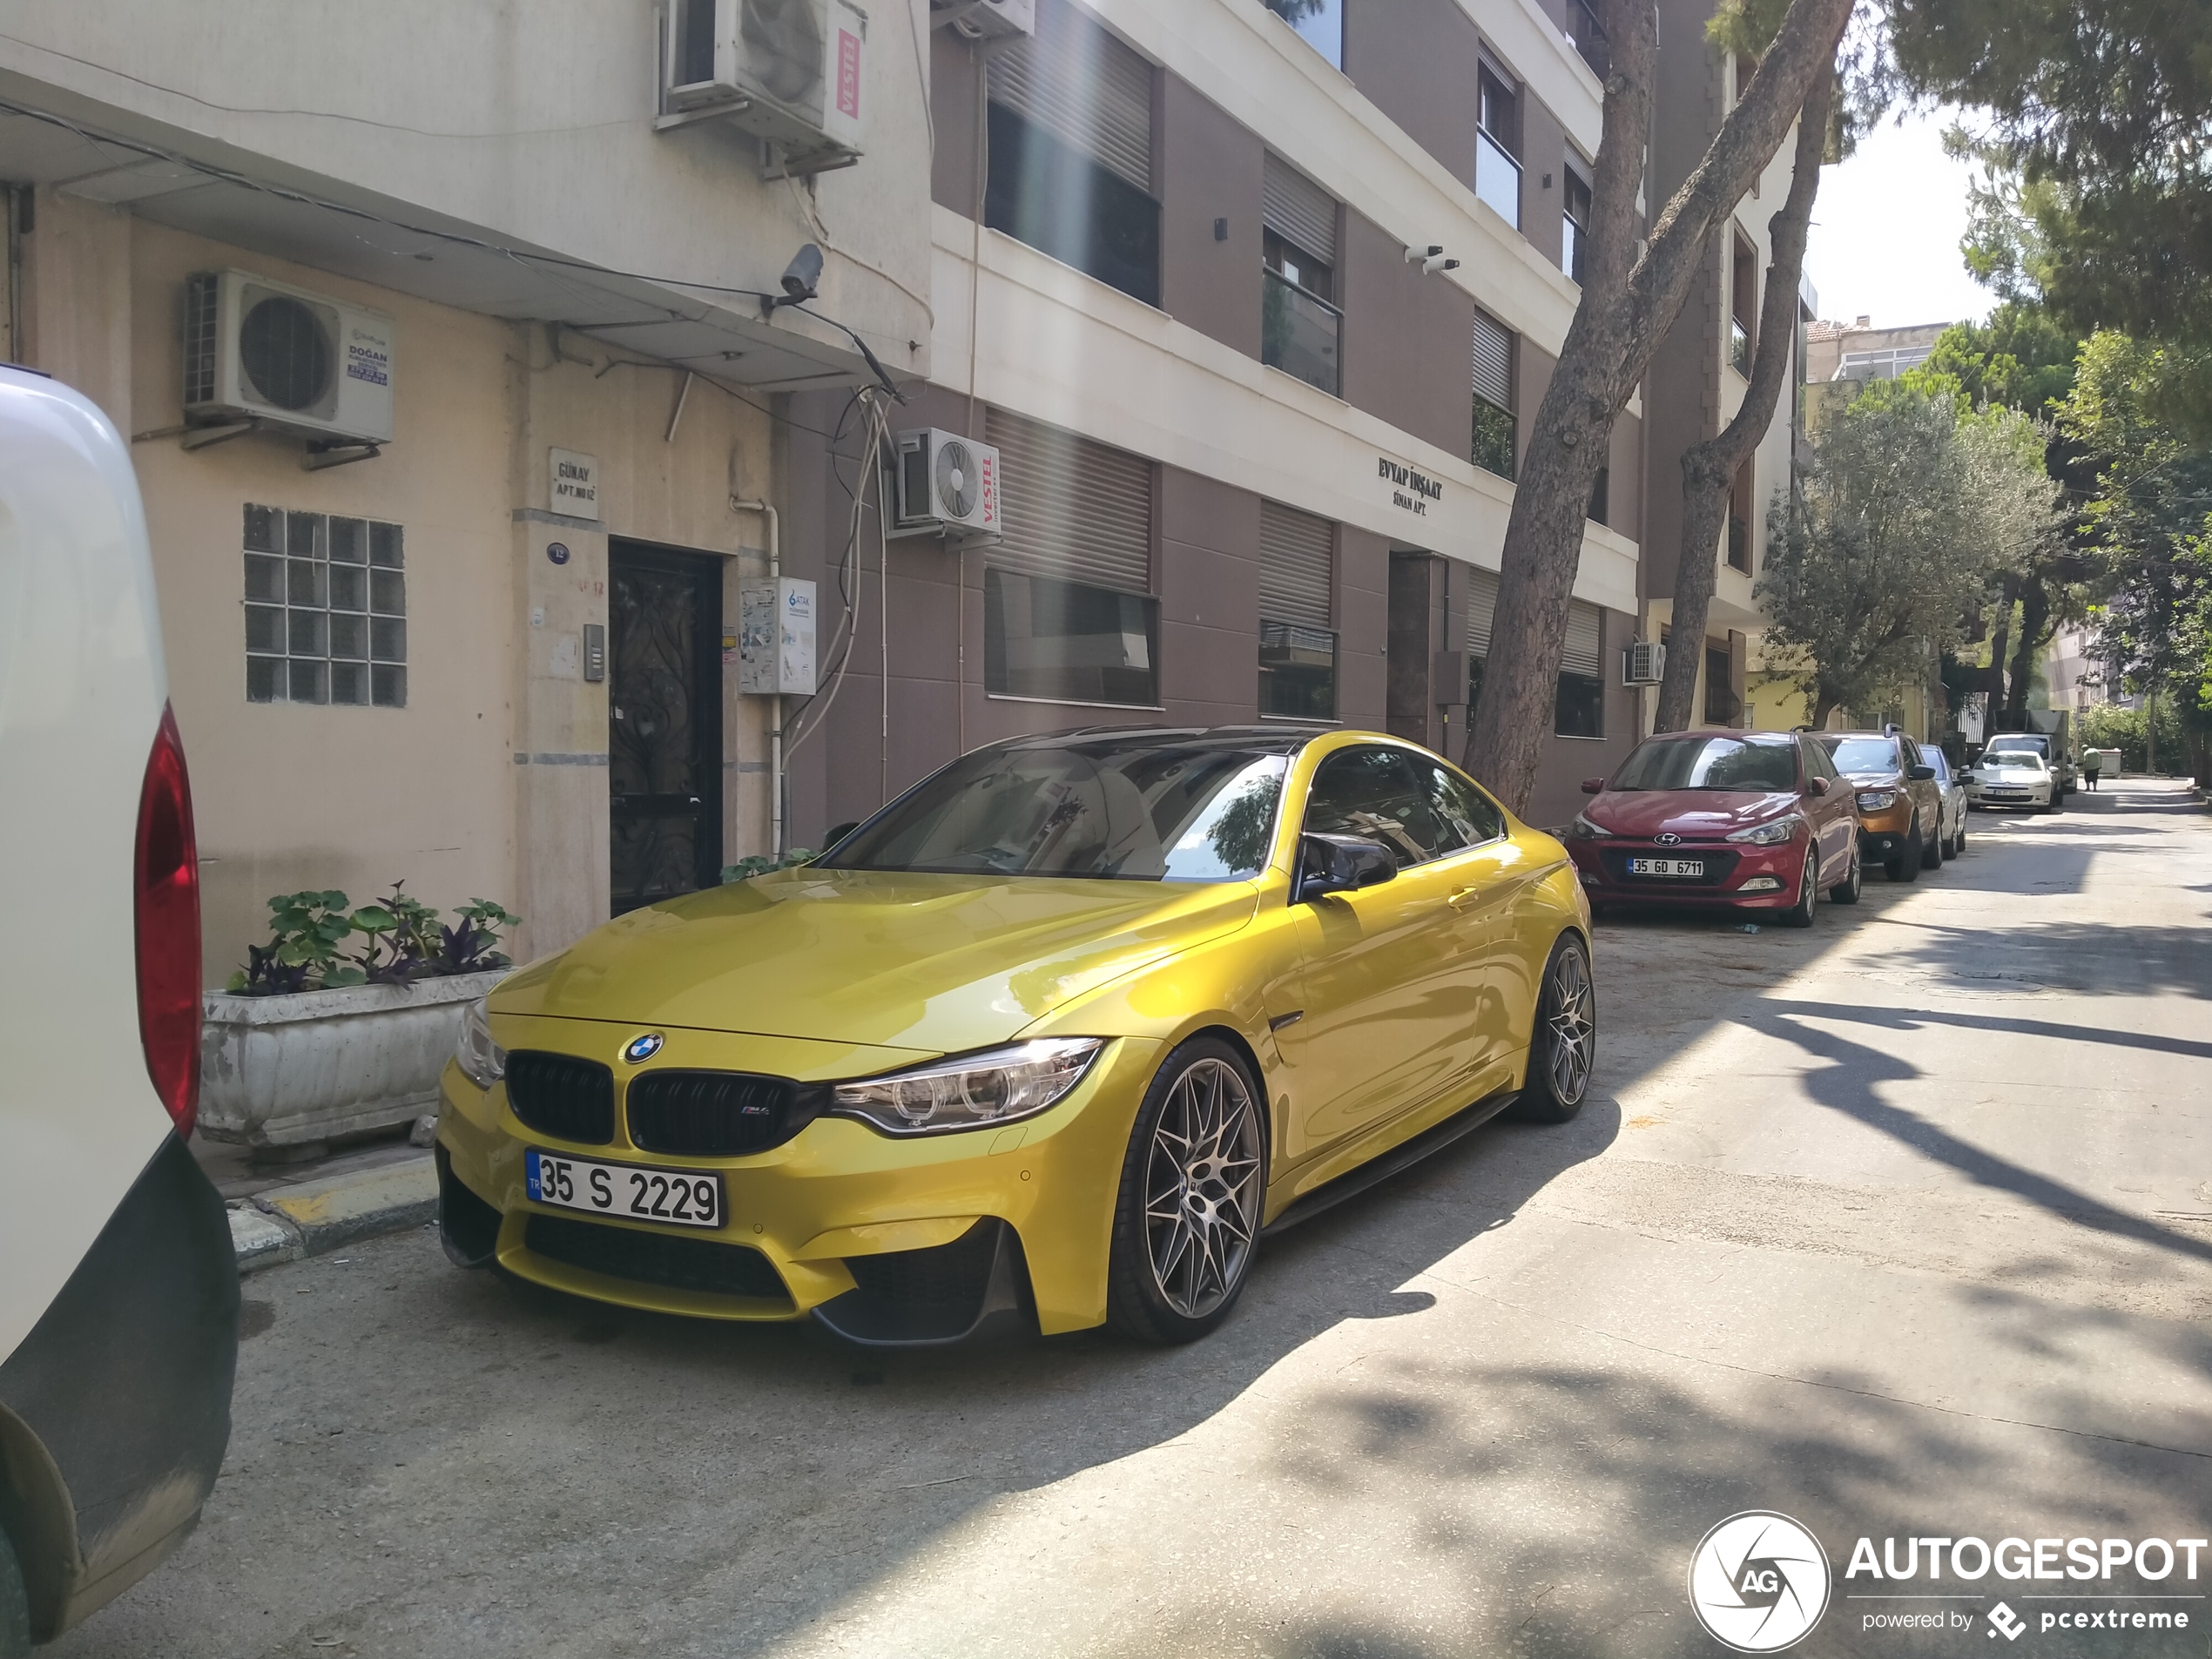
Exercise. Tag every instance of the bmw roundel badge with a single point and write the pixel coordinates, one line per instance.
(640, 1049)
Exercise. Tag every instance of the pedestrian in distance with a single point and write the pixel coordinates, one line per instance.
(2092, 762)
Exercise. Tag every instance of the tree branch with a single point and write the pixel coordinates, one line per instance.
(1709, 468)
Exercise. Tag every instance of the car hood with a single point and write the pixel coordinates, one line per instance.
(936, 962)
(1700, 814)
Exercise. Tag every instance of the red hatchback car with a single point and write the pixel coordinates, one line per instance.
(1752, 821)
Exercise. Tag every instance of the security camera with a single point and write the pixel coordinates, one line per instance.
(804, 274)
(1422, 255)
(1436, 262)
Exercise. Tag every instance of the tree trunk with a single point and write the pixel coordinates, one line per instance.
(2001, 632)
(1822, 706)
(2035, 611)
(1709, 468)
(1627, 305)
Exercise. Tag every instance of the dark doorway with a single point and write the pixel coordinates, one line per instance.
(664, 723)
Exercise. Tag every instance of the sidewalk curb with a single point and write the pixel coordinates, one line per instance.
(290, 1224)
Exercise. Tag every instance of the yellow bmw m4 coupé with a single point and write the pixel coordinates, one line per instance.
(1058, 1035)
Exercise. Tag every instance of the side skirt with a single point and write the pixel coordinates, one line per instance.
(1404, 1155)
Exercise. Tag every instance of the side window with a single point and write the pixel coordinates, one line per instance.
(1371, 794)
(1818, 764)
(1465, 816)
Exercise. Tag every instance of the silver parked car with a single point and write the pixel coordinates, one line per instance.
(2014, 778)
(1950, 788)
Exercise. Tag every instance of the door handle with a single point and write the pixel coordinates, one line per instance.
(1464, 896)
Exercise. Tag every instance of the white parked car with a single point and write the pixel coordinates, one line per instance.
(2011, 777)
(118, 1285)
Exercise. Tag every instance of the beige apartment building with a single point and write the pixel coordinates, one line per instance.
(1249, 314)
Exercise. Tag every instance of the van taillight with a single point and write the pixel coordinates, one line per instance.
(165, 903)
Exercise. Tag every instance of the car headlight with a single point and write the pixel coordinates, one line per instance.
(1582, 830)
(483, 1060)
(972, 1090)
(1875, 800)
(1771, 834)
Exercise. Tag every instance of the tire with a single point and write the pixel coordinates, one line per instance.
(1186, 1222)
(1932, 850)
(15, 1605)
(1905, 866)
(1563, 1050)
(1958, 845)
(1847, 890)
(1801, 913)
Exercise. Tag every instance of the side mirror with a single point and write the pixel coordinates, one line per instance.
(1815, 785)
(1593, 786)
(1340, 864)
(839, 831)
(1919, 774)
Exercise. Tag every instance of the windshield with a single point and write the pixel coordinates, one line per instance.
(1143, 810)
(2021, 744)
(2013, 761)
(1864, 754)
(1761, 764)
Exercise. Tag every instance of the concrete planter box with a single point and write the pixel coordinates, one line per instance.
(294, 1070)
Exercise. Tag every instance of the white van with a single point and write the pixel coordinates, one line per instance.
(119, 1287)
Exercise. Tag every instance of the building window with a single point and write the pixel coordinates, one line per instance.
(1589, 37)
(1299, 326)
(1068, 612)
(1497, 145)
(1297, 642)
(1574, 225)
(1579, 700)
(1579, 710)
(326, 609)
(1600, 486)
(1319, 23)
(1721, 707)
(1743, 306)
(1739, 518)
(1065, 643)
(1070, 150)
(1495, 430)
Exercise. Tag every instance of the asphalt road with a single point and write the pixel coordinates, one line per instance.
(1902, 1227)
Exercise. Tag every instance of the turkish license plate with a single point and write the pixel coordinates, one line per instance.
(1667, 867)
(682, 1196)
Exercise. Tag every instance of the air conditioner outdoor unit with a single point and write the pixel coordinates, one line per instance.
(985, 18)
(286, 357)
(793, 72)
(1644, 663)
(945, 483)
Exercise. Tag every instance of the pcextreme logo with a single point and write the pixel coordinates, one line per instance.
(1759, 1582)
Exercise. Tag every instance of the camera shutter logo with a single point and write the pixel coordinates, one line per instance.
(1759, 1582)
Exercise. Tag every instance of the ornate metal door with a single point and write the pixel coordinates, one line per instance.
(664, 726)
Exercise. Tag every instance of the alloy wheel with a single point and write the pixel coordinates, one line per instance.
(1202, 1188)
(1570, 1022)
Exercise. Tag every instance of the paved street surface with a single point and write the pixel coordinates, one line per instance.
(1902, 1226)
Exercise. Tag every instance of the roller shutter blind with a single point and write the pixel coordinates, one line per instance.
(1585, 640)
(1295, 552)
(1492, 363)
(1482, 605)
(1071, 507)
(1084, 87)
(1298, 211)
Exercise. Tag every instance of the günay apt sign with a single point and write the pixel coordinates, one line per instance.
(575, 483)
(1410, 491)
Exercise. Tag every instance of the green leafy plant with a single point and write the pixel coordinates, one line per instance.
(759, 864)
(402, 941)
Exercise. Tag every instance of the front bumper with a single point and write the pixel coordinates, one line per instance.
(799, 1216)
(1990, 796)
(1737, 876)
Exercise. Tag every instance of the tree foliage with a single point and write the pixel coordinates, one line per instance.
(2151, 518)
(1914, 503)
(2097, 116)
